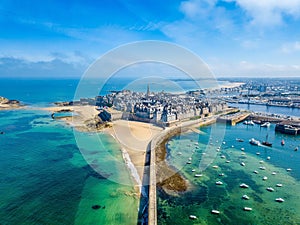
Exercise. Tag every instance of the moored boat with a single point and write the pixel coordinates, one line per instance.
(193, 217)
(239, 140)
(249, 122)
(198, 175)
(215, 211)
(266, 124)
(244, 185)
(266, 143)
(279, 200)
(246, 197)
(247, 209)
(270, 189)
(219, 183)
(252, 141)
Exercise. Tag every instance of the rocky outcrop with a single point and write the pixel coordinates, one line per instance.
(63, 103)
(6, 103)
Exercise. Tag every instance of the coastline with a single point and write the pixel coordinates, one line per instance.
(168, 178)
(132, 136)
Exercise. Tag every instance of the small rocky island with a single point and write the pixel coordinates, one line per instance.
(6, 103)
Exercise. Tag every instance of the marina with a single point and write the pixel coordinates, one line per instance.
(239, 184)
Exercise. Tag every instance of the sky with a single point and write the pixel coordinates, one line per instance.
(236, 38)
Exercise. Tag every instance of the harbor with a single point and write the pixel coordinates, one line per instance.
(261, 168)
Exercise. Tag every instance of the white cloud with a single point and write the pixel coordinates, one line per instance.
(196, 8)
(16, 67)
(269, 12)
(291, 47)
(251, 69)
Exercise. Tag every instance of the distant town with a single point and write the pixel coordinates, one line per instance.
(167, 109)
(269, 92)
(159, 108)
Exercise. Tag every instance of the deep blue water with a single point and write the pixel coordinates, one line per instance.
(45, 91)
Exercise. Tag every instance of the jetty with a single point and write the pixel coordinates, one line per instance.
(233, 119)
(183, 127)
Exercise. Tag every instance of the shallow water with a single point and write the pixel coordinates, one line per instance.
(227, 198)
(46, 180)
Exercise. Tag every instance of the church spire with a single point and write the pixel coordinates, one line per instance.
(148, 90)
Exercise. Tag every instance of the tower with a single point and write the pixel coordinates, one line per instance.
(148, 90)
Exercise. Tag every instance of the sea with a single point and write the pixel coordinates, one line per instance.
(214, 155)
(46, 177)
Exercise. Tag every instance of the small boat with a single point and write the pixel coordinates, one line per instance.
(278, 185)
(296, 149)
(266, 124)
(188, 162)
(239, 140)
(246, 197)
(262, 167)
(243, 149)
(179, 153)
(257, 153)
(221, 174)
(257, 121)
(223, 142)
(247, 209)
(266, 143)
(282, 142)
(270, 189)
(252, 141)
(227, 161)
(215, 167)
(265, 178)
(288, 169)
(219, 183)
(223, 156)
(192, 217)
(242, 164)
(250, 122)
(268, 158)
(244, 185)
(198, 175)
(193, 170)
(279, 200)
(232, 146)
(274, 173)
(255, 171)
(215, 211)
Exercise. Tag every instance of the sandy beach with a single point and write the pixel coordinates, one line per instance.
(132, 136)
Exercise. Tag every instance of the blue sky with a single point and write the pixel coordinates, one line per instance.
(234, 37)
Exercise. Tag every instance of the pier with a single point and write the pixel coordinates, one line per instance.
(183, 127)
(233, 119)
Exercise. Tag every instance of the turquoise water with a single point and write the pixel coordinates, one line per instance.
(45, 179)
(205, 195)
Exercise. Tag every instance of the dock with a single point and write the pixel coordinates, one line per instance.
(233, 119)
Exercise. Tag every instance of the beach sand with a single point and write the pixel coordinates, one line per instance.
(132, 136)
